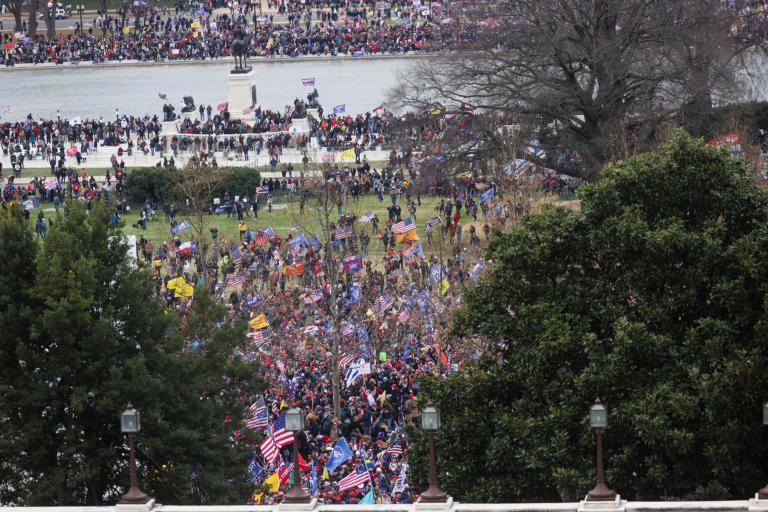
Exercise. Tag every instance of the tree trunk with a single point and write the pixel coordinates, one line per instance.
(32, 22)
(16, 11)
(124, 9)
(50, 21)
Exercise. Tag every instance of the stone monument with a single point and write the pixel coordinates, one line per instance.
(241, 90)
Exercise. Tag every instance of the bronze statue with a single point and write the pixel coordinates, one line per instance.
(168, 112)
(240, 50)
(312, 99)
(189, 105)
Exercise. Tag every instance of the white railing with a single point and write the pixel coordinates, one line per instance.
(751, 505)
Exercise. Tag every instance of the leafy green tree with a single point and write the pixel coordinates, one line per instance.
(17, 252)
(97, 338)
(652, 297)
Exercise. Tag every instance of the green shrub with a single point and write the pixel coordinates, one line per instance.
(151, 182)
(156, 182)
(242, 181)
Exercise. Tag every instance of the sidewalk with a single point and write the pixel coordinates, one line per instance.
(101, 160)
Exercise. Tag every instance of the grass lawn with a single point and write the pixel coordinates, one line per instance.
(285, 216)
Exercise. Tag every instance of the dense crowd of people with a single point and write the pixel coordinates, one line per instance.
(57, 140)
(190, 36)
(391, 312)
(387, 307)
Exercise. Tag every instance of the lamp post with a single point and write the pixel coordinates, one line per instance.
(80, 11)
(130, 423)
(430, 423)
(294, 422)
(762, 494)
(598, 420)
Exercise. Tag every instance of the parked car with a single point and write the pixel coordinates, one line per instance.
(59, 13)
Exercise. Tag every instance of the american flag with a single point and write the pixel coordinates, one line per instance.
(235, 279)
(282, 436)
(404, 226)
(404, 315)
(383, 303)
(395, 448)
(439, 306)
(237, 256)
(346, 360)
(314, 296)
(259, 415)
(269, 448)
(359, 476)
(258, 337)
(347, 330)
(343, 232)
(262, 238)
(277, 437)
(311, 330)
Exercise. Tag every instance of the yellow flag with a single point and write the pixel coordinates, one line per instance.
(443, 286)
(176, 282)
(258, 322)
(410, 236)
(273, 481)
(188, 290)
(349, 153)
(126, 30)
(326, 475)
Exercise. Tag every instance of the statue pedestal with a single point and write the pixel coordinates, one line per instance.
(188, 115)
(168, 128)
(299, 125)
(313, 113)
(239, 93)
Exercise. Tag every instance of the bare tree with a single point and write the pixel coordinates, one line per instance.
(580, 71)
(324, 199)
(196, 186)
(32, 21)
(14, 7)
(49, 18)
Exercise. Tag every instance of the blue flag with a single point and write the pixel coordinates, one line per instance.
(339, 109)
(181, 226)
(341, 453)
(368, 498)
(487, 195)
(312, 479)
(406, 350)
(254, 469)
(299, 239)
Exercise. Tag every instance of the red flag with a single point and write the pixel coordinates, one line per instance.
(222, 106)
(303, 464)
